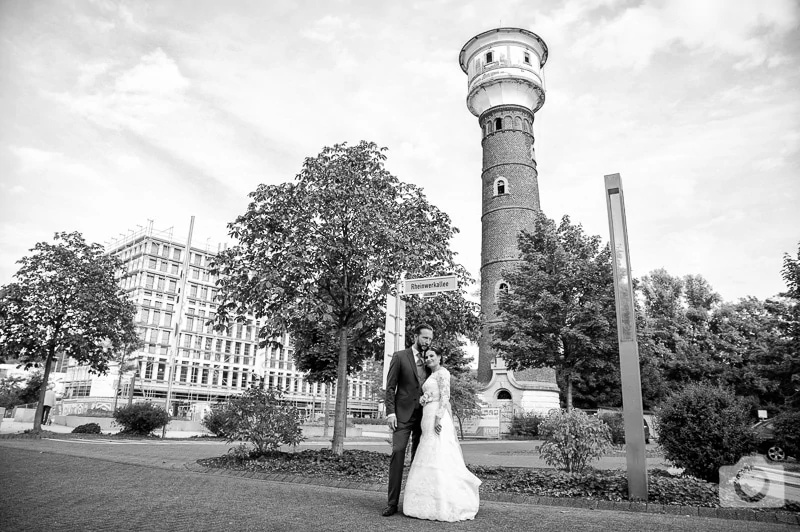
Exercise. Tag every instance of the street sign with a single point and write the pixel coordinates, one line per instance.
(425, 285)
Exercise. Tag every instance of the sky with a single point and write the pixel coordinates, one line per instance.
(115, 114)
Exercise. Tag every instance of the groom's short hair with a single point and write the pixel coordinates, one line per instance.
(423, 325)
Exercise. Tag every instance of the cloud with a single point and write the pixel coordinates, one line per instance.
(156, 74)
(329, 28)
(33, 159)
(632, 37)
(136, 98)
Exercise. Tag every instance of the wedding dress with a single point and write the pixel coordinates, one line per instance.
(439, 486)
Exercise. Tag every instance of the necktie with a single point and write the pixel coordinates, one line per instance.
(420, 367)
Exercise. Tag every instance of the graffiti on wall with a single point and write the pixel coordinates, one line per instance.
(70, 408)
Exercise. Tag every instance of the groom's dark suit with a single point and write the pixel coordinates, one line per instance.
(403, 390)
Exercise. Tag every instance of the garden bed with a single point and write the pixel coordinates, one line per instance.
(594, 484)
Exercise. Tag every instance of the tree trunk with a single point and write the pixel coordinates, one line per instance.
(569, 391)
(133, 384)
(340, 419)
(326, 422)
(37, 418)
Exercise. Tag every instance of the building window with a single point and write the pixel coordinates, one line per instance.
(498, 124)
(176, 254)
(504, 395)
(501, 286)
(527, 58)
(154, 248)
(151, 263)
(500, 186)
(489, 57)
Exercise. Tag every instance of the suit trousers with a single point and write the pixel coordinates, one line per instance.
(411, 428)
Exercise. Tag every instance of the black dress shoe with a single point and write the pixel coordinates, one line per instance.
(389, 510)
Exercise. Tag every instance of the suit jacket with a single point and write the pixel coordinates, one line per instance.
(403, 386)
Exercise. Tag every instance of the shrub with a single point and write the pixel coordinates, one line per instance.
(525, 425)
(572, 439)
(616, 426)
(141, 418)
(88, 428)
(216, 419)
(260, 417)
(787, 432)
(704, 427)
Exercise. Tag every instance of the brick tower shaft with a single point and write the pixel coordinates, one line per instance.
(505, 74)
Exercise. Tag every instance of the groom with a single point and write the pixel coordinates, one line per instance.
(407, 372)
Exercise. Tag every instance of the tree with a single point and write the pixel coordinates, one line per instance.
(10, 389)
(65, 300)
(317, 257)
(783, 362)
(32, 389)
(560, 310)
(464, 398)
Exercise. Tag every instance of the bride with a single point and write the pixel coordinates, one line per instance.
(439, 486)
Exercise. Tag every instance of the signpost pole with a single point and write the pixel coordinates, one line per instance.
(633, 414)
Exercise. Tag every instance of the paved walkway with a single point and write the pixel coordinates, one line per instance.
(96, 461)
(63, 485)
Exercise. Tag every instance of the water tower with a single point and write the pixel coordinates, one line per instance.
(506, 87)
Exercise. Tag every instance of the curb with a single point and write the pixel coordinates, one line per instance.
(22, 436)
(739, 514)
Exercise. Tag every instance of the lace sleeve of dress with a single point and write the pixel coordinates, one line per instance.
(443, 380)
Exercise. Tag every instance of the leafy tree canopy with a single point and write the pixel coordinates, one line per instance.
(65, 300)
(317, 257)
(560, 310)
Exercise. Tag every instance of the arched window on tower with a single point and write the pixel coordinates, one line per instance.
(508, 123)
(498, 124)
(501, 287)
(500, 186)
(503, 395)
(517, 123)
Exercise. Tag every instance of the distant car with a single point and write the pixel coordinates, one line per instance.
(767, 444)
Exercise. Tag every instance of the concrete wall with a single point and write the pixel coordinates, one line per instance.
(108, 423)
